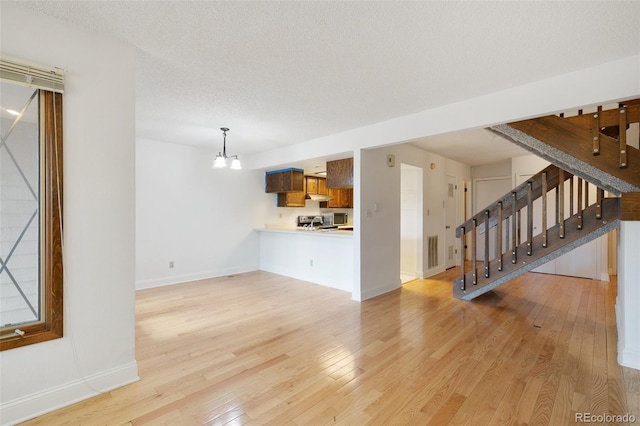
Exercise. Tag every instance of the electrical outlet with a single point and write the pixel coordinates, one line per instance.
(310, 262)
(171, 264)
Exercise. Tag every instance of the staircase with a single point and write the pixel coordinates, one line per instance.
(585, 150)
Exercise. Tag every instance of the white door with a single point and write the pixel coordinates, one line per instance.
(486, 192)
(451, 208)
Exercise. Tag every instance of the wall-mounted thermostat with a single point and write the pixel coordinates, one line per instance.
(391, 160)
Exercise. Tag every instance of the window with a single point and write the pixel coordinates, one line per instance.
(31, 273)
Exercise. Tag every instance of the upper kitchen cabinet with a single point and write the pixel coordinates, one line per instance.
(322, 186)
(312, 184)
(284, 180)
(316, 185)
(340, 198)
(340, 173)
(291, 199)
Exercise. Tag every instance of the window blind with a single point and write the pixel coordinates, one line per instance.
(31, 75)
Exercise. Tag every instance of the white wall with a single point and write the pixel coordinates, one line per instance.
(99, 220)
(200, 218)
(499, 169)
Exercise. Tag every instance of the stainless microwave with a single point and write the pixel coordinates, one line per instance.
(340, 219)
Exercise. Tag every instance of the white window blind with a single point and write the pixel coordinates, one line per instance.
(31, 75)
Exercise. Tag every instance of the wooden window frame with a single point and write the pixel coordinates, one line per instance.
(51, 326)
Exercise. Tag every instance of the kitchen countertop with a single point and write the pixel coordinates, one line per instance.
(339, 233)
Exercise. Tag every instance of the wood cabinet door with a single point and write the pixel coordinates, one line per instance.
(340, 173)
(293, 181)
(322, 186)
(335, 200)
(284, 181)
(291, 199)
(274, 182)
(312, 185)
(347, 198)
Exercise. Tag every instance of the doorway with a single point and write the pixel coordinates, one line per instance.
(411, 195)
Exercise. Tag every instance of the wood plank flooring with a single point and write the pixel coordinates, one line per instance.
(260, 348)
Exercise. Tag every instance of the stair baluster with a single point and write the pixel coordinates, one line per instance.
(529, 218)
(519, 222)
(595, 132)
(623, 138)
(461, 234)
(544, 209)
(474, 249)
(571, 209)
(514, 232)
(499, 237)
(560, 205)
(580, 209)
(586, 194)
(557, 194)
(486, 244)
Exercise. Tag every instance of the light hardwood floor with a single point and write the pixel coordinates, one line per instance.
(259, 348)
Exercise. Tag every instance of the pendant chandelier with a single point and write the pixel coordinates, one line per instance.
(221, 158)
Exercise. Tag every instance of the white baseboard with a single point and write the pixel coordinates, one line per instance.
(626, 357)
(179, 279)
(604, 277)
(373, 292)
(629, 358)
(431, 272)
(42, 402)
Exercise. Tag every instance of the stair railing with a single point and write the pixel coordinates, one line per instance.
(611, 123)
(507, 211)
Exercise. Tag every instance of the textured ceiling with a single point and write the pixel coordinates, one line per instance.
(279, 73)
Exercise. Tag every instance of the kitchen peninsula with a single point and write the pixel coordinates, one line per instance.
(317, 249)
(321, 257)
